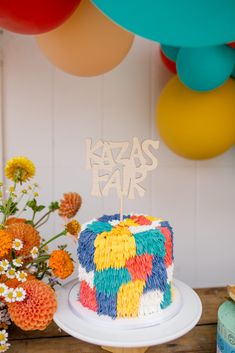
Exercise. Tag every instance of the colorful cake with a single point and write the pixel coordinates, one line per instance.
(125, 267)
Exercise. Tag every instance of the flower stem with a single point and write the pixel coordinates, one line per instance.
(52, 239)
(28, 199)
(44, 216)
(8, 205)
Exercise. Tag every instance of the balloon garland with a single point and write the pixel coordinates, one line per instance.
(35, 16)
(87, 44)
(196, 111)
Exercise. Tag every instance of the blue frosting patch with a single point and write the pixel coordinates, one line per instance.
(99, 227)
(158, 278)
(109, 281)
(115, 217)
(224, 346)
(86, 249)
(151, 242)
(107, 304)
(167, 297)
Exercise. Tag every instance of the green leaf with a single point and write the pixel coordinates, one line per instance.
(40, 208)
(32, 204)
(13, 208)
(54, 206)
(62, 247)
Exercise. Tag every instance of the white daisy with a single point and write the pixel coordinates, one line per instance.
(3, 289)
(3, 336)
(32, 269)
(20, 294)
(17, 262)
(17, 244)
(4, 347)
(34, 252)
(11, 273)
(10, 296)
(21, 276)
(4, 264)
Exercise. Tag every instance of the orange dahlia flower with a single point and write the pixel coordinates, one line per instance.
(12, 220)
(61, 264)
(37, 310)
(27, 234)
(6, 240)
(70, 205)
(73, 227)
(14, 283)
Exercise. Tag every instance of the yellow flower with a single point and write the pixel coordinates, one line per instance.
(19, 169)
(73, 227)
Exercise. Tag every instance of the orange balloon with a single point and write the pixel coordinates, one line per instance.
(87, 44)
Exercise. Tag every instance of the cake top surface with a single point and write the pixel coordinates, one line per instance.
(107, 242)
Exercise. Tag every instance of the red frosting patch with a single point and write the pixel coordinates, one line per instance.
(140, 267)
(141, 220)
(87, 296)
(168, 244)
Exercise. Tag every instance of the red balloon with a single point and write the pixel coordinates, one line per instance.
(35, 16)
(232, 44)
(170, 64)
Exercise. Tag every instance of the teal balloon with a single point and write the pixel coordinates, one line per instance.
(233, 73)
(204, 69)
(170, 52)
(180, 23)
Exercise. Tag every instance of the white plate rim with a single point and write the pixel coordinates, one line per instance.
(176, 327)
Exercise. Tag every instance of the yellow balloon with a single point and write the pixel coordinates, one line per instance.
(197, 125)
(87, 44)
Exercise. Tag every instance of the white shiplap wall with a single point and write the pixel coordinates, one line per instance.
(47, 114)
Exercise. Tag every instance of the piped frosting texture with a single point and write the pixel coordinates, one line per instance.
(126, 268)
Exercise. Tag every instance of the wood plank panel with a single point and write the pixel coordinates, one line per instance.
(200, 339)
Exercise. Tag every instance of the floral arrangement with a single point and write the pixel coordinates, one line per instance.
(28, 270)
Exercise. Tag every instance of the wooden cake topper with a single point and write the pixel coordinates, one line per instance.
(122, 166)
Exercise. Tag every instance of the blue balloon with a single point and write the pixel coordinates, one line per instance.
(170, 52)
(204, 69)
(180, 23)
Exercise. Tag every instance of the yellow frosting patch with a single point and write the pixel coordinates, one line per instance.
(128, 299)
(114, 248)
(172, 290)
(152, 219)
(129, 223)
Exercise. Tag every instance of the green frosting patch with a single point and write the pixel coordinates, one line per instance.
(167, 297)
(151, 242)
(99, 227)
(109, 281)
(226, 316)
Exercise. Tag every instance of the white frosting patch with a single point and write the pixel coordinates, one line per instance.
(170, 271)
(114, 223)
(83, 275)
(144, 228)
(150, 303)
(84, 225)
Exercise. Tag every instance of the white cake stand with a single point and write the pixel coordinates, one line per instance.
(138, 339)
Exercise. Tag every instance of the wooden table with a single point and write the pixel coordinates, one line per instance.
(201, 339)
